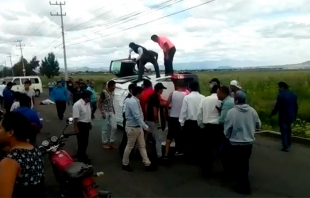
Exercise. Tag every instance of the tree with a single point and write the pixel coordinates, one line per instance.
(29, 67)
(49, 66)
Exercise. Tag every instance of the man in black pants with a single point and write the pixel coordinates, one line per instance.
(169, 50)
(144, 57)
(82, 124)
(188, 121)
(60, 96)
(123, 144)
(212, 134)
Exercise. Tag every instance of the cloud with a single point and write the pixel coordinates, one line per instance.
(97, 32)
(286, 30)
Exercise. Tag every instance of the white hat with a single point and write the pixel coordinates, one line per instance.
(235, 83)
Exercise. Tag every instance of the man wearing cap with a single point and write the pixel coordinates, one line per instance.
(169, 50)
(239, 128)
(152, 117)
(234, 87)
(144, 57)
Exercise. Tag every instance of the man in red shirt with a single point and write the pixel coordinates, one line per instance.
(147, 91)
(169, 50)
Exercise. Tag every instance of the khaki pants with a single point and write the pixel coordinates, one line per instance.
(135, 134)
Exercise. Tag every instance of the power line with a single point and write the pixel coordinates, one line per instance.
(118, 19)
(62, 32)
(135, 15)
(47, 46)
(36, 29)
(20, 46)
(97, 16)
(141, 24)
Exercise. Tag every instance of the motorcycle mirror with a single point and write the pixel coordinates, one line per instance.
(70, 120)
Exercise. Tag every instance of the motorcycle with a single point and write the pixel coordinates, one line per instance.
(76, 179)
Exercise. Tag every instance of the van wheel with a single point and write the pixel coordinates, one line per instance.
(37, 93)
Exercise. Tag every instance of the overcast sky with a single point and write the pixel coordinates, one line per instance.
(275, 31)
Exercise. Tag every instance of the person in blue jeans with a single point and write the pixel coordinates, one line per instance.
(287, 108)
(60, 97)
(93, 100)
(31, 115)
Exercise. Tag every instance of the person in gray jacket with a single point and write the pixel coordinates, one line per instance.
(239, 128)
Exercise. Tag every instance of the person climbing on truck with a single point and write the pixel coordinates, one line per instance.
(169, 50)
(145, 56)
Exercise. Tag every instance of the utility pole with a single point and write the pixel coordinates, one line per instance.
(9, 55)
(21, 53)
(3, 68)
(63, 34)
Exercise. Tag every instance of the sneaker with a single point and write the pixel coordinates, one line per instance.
(242, 190)
(127, 168)
(150, 168)
(284, 149)
(111, 145)
(178, 154)
(106, 146)
(165, 161)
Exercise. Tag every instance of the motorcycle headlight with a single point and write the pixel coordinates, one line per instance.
(54, 139)
(45, 143)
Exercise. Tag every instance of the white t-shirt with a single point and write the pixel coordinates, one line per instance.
(2, 87)
(176, 103)
(82, 111)
(31, 93)
(14, 106)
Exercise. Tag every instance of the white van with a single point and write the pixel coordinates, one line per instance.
(18, 81)
(123, 69)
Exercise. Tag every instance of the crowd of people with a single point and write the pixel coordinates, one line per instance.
(221, 125)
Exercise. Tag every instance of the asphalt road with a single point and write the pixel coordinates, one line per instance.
(272, 172)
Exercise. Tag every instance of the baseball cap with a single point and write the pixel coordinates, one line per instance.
(240, 96)
(235, 83)
(159, 86)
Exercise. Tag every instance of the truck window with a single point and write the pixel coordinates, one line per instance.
(16, 81)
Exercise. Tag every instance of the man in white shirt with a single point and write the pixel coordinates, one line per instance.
(82, 124)
(29, 92)
(144, 57)
(188, 122)
(212, 132)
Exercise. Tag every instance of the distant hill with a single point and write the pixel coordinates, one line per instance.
(205, 65)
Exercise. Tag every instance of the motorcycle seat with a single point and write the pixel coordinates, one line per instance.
(78, 170)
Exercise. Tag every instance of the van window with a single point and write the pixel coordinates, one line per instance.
(24, 80)
(34, 80)
(16, 81)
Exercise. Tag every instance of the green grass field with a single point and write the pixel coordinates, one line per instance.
(261, 88)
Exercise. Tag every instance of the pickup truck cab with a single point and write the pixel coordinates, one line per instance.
(125, 75)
